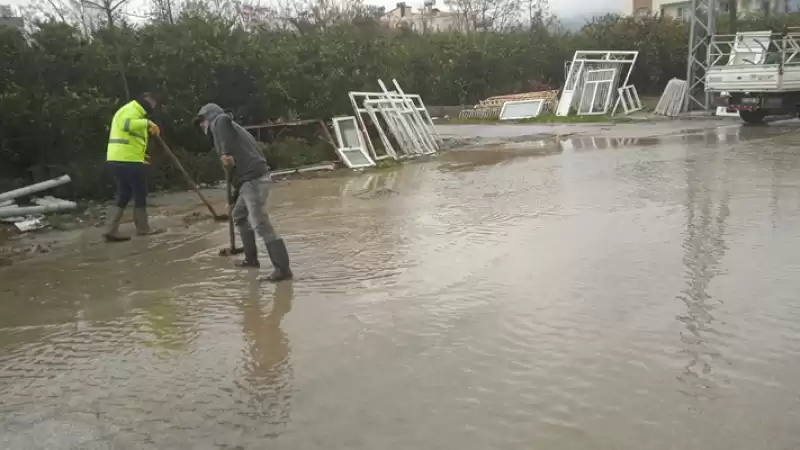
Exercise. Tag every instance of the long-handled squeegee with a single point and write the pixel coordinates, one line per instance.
(176, 162)
(232, 250)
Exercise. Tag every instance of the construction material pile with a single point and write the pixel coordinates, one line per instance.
(27, 218)
(400, 121)
(598, 83)
(671, 102)
(492, 107)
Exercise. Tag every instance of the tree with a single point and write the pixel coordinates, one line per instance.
(322, 14)
(537, 13)
(72, 12)
(110, 8)
(497, 15)
(164, 10)
(733, 14)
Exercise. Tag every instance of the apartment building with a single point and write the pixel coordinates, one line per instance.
(682, 8)
(9, 19)
(428, 19)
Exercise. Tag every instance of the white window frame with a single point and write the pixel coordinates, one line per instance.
(409, 122)
(391, 116)
(609, 76)
(585, 60)
(342, 150)
(629, 99)
(538, 101)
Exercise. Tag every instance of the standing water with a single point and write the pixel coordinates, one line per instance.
(588, 294)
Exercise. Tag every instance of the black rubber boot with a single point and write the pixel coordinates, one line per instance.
(250, 248)
(142, 223)
(280, 261)
(114, 219)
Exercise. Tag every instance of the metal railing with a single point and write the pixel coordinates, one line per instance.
(755, 48)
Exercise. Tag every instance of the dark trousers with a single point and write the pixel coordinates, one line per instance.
(131, 180)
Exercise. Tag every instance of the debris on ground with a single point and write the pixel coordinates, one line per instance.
(29, 218)
(400, 120)
(369, 194)
(9, 254)
(672, 100)
(598, 82)
(31, 223)
(215, 185)
(305, 169)
(491, 107)
(194, 217)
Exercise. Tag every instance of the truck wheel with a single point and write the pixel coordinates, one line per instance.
(753, 117)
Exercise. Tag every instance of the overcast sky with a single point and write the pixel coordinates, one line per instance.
(562, 8)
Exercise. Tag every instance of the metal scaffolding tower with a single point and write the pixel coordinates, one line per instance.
(703, 25)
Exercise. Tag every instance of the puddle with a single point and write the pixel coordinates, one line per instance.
(579, 293)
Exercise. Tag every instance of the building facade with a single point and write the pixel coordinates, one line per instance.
(681, 9)
(9, 19)
(428, 20)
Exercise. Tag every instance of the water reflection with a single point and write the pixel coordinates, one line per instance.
(467, 160)
(267, 364)
(163, 316)
(727, 134)
(597, 143)
(706, 206)
(371, 185)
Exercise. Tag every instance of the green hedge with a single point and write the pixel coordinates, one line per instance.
(58, 89)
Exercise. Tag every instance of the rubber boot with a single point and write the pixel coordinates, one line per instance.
(250, 248)
(142, 223)
(114, 219)
(280, 261)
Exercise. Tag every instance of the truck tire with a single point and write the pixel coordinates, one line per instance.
(753, 117)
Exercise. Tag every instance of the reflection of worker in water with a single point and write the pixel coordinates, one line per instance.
(268, 370)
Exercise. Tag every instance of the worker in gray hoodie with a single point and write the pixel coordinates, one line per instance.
(240, 153)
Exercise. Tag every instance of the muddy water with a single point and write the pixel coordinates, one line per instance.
(591, 293)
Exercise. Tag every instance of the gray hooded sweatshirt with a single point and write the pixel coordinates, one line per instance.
(231, 139)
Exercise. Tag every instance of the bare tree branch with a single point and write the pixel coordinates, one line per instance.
(109, 7)
(92, 4)
(57, 10)
(72, 12)
(119, 3)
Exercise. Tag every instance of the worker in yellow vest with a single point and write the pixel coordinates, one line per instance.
(126, 157)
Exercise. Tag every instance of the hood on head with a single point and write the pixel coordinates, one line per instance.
(148, 109)
(209, 111)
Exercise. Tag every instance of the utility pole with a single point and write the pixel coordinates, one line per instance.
(703, 25)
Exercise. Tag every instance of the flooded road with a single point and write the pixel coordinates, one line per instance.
(585, 293)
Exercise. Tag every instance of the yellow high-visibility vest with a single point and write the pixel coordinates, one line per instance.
(127, 141)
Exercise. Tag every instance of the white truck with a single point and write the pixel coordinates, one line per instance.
(756, 73)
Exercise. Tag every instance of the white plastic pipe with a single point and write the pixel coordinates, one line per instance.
(27, 190)
(28, 210)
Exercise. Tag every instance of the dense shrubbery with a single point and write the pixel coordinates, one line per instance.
(59, 89)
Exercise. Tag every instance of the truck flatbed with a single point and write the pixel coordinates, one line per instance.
(753, 78)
